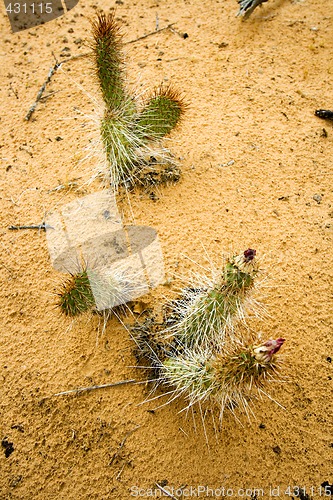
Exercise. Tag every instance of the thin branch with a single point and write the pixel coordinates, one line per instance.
(43, 226)
(48, 79)
(166, 492)
(94, 387)
(121, 470)
(78, 56)
(42, 89)
(49, 94)
(248, 6)
(13, 90)
(128, 433)
(150, 34)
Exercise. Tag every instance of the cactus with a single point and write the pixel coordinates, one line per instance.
(229, 378)
(161, 114)
(75, 295)
(100, 289)
(201, 353)
(126, 131)
(206, 314)
(109, 61)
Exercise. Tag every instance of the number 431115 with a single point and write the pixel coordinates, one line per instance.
(322, 491)
(33, 8)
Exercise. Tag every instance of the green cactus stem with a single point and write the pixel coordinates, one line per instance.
(129, 135)
(75, 296)
(109, 61)
(121, 145)
(162, 113)
(229, 379)
(206, 314)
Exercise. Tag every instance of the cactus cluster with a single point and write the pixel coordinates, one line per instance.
(230, 377)
(203, 351)
(208, 354)
(129, 132)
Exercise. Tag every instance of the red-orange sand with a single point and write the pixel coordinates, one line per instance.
(253, 156)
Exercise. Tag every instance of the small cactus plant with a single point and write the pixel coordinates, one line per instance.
(126, 131)
(229, 378)
(202, 353)
(75, 295)
(100, 290)
(206, 314)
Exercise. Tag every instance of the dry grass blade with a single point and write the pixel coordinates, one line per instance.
(94, 387)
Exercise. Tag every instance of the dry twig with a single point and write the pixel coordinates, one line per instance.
(43, 226)
(247, 7)
(150, 34)
(42, 89)
(116, 454)
(94, 387)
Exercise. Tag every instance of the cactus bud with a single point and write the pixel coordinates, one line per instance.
(265, 352)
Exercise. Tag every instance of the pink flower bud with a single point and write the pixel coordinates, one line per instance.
(266, 351)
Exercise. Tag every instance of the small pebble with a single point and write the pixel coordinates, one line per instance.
(317, 198)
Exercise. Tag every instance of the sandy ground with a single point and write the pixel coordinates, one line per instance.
(253, 157)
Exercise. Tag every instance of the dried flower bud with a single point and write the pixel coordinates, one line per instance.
(246, 261)
(265, 352)
(249, 254)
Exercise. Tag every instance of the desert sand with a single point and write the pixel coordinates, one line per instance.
(256, 172)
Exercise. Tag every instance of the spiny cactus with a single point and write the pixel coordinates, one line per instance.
(161, 114)
(229, 378)
(109, 61)
(75, 295)
(201, 353)
(127, 132)
(122, 145)
(205, 314)
(101, 289)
